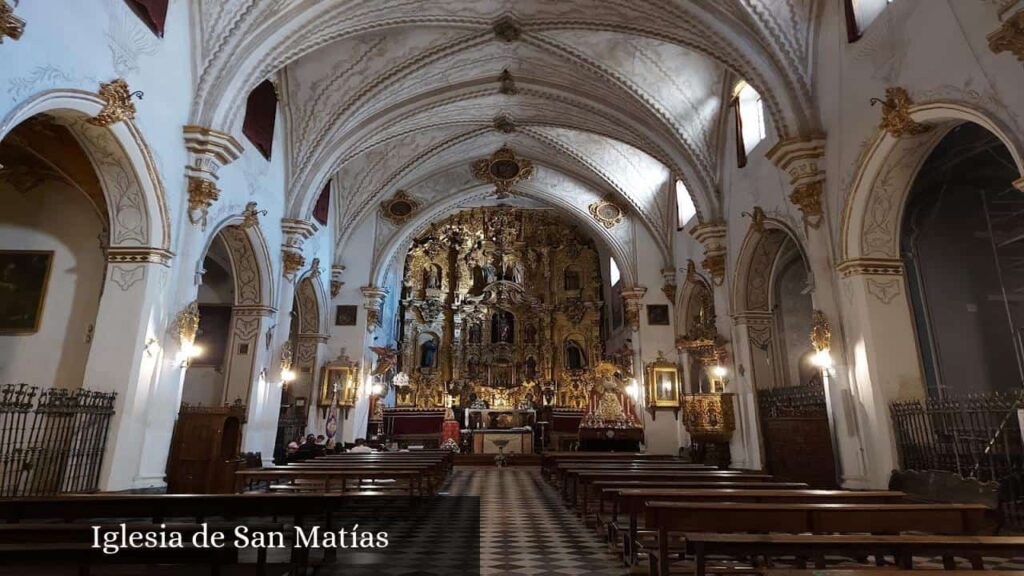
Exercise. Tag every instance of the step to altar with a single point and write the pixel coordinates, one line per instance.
(488, 459)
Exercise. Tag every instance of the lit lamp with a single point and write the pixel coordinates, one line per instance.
(821, 340)
(719, 371)
(188, 329)
(287, 374)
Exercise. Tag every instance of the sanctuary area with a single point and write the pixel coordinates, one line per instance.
(511, 287)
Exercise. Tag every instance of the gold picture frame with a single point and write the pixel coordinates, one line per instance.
(663, 386)
(24, 279)
(344, 376)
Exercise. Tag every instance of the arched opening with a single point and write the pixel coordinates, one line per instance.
(229, 296)
(962, 245)
(54, 233)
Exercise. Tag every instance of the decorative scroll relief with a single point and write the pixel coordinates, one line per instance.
(125, 199)
(246, 269)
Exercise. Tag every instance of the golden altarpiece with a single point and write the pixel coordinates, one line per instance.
(501, 306)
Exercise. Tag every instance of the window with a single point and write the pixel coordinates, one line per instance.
(151, 12)
(860, 14)
(613, 271)
(323, 205)
(684, 205)
(749, 112)
(260, 112)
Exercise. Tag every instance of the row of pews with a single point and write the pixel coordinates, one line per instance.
(676, 517)
(59, 531)
(415, 473)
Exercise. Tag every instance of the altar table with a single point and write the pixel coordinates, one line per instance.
(520, 441)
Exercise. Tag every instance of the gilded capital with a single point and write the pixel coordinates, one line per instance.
(632, 299)
(291, 263)
(712, 237)
(896, 119)
(373, 303)
(336, 282)
(202, 193)
(1009, 37)
(10, 25)
(119, 105)
(807, 198)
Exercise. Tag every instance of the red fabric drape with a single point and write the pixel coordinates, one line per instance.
(741, 149)
(260, 113)
(152, 12)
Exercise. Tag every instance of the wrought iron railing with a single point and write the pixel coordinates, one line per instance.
(976, 437)
(791, 401)
(52, 441)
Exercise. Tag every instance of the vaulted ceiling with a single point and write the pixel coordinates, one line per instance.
(613, 99)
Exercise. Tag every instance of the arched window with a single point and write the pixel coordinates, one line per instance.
(613, 272)
(748, 109)
(260, 114)
(860, 14)
(684, 205)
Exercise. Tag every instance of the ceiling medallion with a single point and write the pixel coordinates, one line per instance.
(503, 169)
(508, 83)
(504, 124)
(400, 208)
(607, 213)
(507, 28)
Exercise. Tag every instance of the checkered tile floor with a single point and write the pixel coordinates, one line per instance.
(525, 529)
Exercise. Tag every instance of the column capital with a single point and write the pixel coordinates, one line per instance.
(208, 151)
(713, 237)
(668, 276)
(1009, 37)
(373, 304)
(336, 282)
(631, 300)
(800, 158)
(297, 231)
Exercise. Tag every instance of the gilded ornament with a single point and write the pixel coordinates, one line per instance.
(669, 290)
(291, 263)
(251, 216)
(202, 193)
(119, 105)
(188, 323)
(606, 212)
(10, 25)
(757, 219)
(896, 118)
(714, 264)
(821, 333)
(807, 198)
(503, 169)
(399, 208)
(336, 288)
(709, 417)
(1009, 37)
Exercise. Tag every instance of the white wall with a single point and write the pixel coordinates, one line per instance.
(70, 227)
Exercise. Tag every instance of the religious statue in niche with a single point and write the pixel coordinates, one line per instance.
(530, 334)
(530, 368)
(428, 353)
(432, 277)
(475, 336)
(503, 326)
(575, 357)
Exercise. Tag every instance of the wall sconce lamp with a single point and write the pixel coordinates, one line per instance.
(720, 371)
(188, 329)
(821, 340)
(287, 374)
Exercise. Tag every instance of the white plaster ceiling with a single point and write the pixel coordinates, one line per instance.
(619, 96)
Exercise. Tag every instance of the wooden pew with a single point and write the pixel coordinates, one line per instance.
(803, 546)
(562, 469)
(631, 502)
(434, 472)
(324, 478)
(578, 481)
(548, 459)
(664, 518)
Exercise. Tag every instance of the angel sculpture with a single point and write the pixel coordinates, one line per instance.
(386, 359)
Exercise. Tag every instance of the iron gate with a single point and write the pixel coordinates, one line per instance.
(52, 441)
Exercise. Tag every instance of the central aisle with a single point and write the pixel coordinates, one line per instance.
(526, 530)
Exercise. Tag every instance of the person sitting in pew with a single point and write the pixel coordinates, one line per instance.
(361, 447)
(310, 449)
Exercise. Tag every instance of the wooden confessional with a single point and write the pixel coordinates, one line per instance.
(205, 450)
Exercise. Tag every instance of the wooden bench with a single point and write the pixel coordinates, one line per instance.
(578, 481)
(631, 502)
(665, 518)
(549, 459)
(328, 478)
(816, 547)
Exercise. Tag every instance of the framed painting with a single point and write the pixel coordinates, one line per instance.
(340, 378)
(663, 385)
(345, 315)
(24, 276)
(657, 315)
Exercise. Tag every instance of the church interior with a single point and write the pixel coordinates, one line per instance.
(536, 287)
